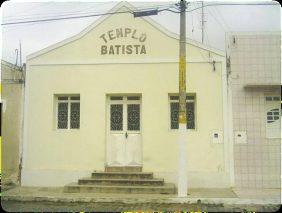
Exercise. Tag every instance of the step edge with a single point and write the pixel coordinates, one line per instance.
(165, 186)
(145, 173)
(126, 179)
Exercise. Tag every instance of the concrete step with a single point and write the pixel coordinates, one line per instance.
(122, 175)
(167, 188)
(123, 169)
(122, 182)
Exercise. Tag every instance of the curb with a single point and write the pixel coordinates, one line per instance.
(205, 201)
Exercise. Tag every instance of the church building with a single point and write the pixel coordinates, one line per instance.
(108, 98)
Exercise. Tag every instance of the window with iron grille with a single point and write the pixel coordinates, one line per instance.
(68, 112)
(273, 116)
(174, 111)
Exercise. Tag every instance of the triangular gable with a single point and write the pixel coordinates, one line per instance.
(122, 6)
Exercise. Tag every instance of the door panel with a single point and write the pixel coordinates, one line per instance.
(133, 146)
(116, 137)
(124, 136)
(117, 149)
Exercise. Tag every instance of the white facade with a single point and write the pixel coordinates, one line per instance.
(107, 97)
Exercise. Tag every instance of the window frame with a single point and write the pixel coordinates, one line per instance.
(123, 101)
(268, 99)
(175, 101)
(68, 101)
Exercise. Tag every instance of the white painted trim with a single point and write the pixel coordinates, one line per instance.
(116, 8)
(127, 61)
(25, 126)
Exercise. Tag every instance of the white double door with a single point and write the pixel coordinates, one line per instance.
(124, 144)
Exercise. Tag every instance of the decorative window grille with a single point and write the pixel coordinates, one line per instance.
(190, 112)
(133, 117)
(62, 115)
(125, 113)
(116, 117)
(273, 116)
(68, 112)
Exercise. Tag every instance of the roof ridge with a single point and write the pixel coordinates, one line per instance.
(117, 8)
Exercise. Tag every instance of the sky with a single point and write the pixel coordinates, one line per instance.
(217, 21)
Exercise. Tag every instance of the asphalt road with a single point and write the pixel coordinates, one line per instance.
(16, 206)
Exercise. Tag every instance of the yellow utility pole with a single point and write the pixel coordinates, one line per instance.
(182, 64)
(182, 170)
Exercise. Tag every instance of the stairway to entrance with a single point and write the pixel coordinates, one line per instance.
(121, 180)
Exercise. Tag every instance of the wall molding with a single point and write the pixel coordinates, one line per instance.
(132, 61)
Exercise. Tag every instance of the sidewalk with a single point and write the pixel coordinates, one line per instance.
(198, 199)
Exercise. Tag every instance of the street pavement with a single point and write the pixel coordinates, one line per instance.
(42, 199)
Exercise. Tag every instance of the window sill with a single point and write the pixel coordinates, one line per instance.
(187, 130)
(66, 130)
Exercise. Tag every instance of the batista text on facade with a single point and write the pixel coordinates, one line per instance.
(123, 33)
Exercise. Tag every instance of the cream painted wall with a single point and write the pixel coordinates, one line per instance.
(55, 157)
(12, 105)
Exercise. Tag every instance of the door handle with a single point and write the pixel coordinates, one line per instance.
(126, 135)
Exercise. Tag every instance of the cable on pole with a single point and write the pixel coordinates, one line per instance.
(111, 13)
(233, 4)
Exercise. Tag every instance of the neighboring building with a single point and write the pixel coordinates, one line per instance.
(108, 97)
(12, 78)
(255, 68)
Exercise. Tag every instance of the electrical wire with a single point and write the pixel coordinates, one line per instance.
(64, 18)
(168, 10)
(233, 4)
(74, 12)
(192, 19)
(91, 12)
(210, 12)
(217, 11)
(91, 15)
(111, 13)
(84, 16)
(204, 57)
